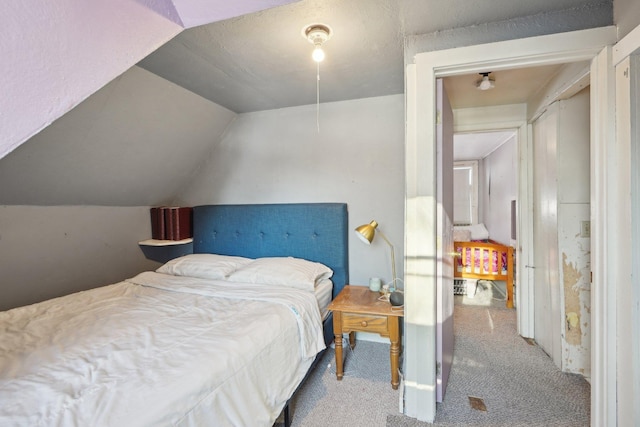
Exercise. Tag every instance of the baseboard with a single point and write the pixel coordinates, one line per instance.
(366, 336)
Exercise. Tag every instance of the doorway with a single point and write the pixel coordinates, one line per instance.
(560, 204)
(485, 194)
(421, 184)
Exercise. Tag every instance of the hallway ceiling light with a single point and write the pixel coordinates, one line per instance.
(486, 82)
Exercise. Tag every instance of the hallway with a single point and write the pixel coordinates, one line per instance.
(517, 382)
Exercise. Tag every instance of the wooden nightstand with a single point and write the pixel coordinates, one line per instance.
(356, 308)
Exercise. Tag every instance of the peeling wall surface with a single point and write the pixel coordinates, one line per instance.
(575, 275)
(562, 234)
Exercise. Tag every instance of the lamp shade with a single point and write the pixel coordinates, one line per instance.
(367, 232)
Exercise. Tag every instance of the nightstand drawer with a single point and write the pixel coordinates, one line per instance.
(364, 323)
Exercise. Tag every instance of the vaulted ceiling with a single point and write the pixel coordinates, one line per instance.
(123, 123)
(244, 55)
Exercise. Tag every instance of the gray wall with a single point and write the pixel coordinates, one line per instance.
(51, 251)
(131, 145)
(267, 157)
(357, 157)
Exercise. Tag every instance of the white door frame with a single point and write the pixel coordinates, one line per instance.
(626, 59)
(420, 231)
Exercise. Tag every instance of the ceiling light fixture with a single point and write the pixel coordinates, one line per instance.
(317, 34)
(485, 83)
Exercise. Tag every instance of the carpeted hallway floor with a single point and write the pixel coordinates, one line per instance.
(517, 382)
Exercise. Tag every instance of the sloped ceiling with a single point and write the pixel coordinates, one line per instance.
(478, 145)
(135, 142)
(57, 53)
(138, 140)
(261, 61)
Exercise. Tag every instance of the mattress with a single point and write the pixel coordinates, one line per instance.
(323, 292)
(157, 350)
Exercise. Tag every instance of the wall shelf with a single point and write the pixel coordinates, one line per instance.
(165, 250)
(156, 242)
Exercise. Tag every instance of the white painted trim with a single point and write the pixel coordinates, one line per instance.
(571, 79)
(371, 337)
(420, 261)
(626, 56)
(524, 242)
(421, 185)
(626, 47)
(561, 48)
(603, 243)
(489, 118)
(628, 384)
(635, 239)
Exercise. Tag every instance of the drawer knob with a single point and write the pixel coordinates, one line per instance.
(364, 323)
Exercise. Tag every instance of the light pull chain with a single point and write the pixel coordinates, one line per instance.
(318, 96)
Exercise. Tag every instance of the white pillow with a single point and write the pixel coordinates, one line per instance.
(477, 232)
(461, 235)
(293, 272)
(203, 266)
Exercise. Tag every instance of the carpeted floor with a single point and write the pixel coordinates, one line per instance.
(517, 382)
(486, 294)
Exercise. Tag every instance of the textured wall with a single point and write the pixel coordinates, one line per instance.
(55, 54)
(590, 15)
(47, 252)
(135, 142)
(357, 157)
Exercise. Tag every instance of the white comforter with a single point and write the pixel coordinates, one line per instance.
(157, 350)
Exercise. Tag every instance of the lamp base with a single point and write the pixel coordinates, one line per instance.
(396, 298)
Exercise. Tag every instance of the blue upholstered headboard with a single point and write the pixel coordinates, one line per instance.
(313, 231)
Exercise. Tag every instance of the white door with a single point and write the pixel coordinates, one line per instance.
(545, 229)
(444, 266)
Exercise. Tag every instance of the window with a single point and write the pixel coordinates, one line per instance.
(465, 193)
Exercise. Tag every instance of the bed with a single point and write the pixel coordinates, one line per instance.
(481, 258)
(222, 339)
